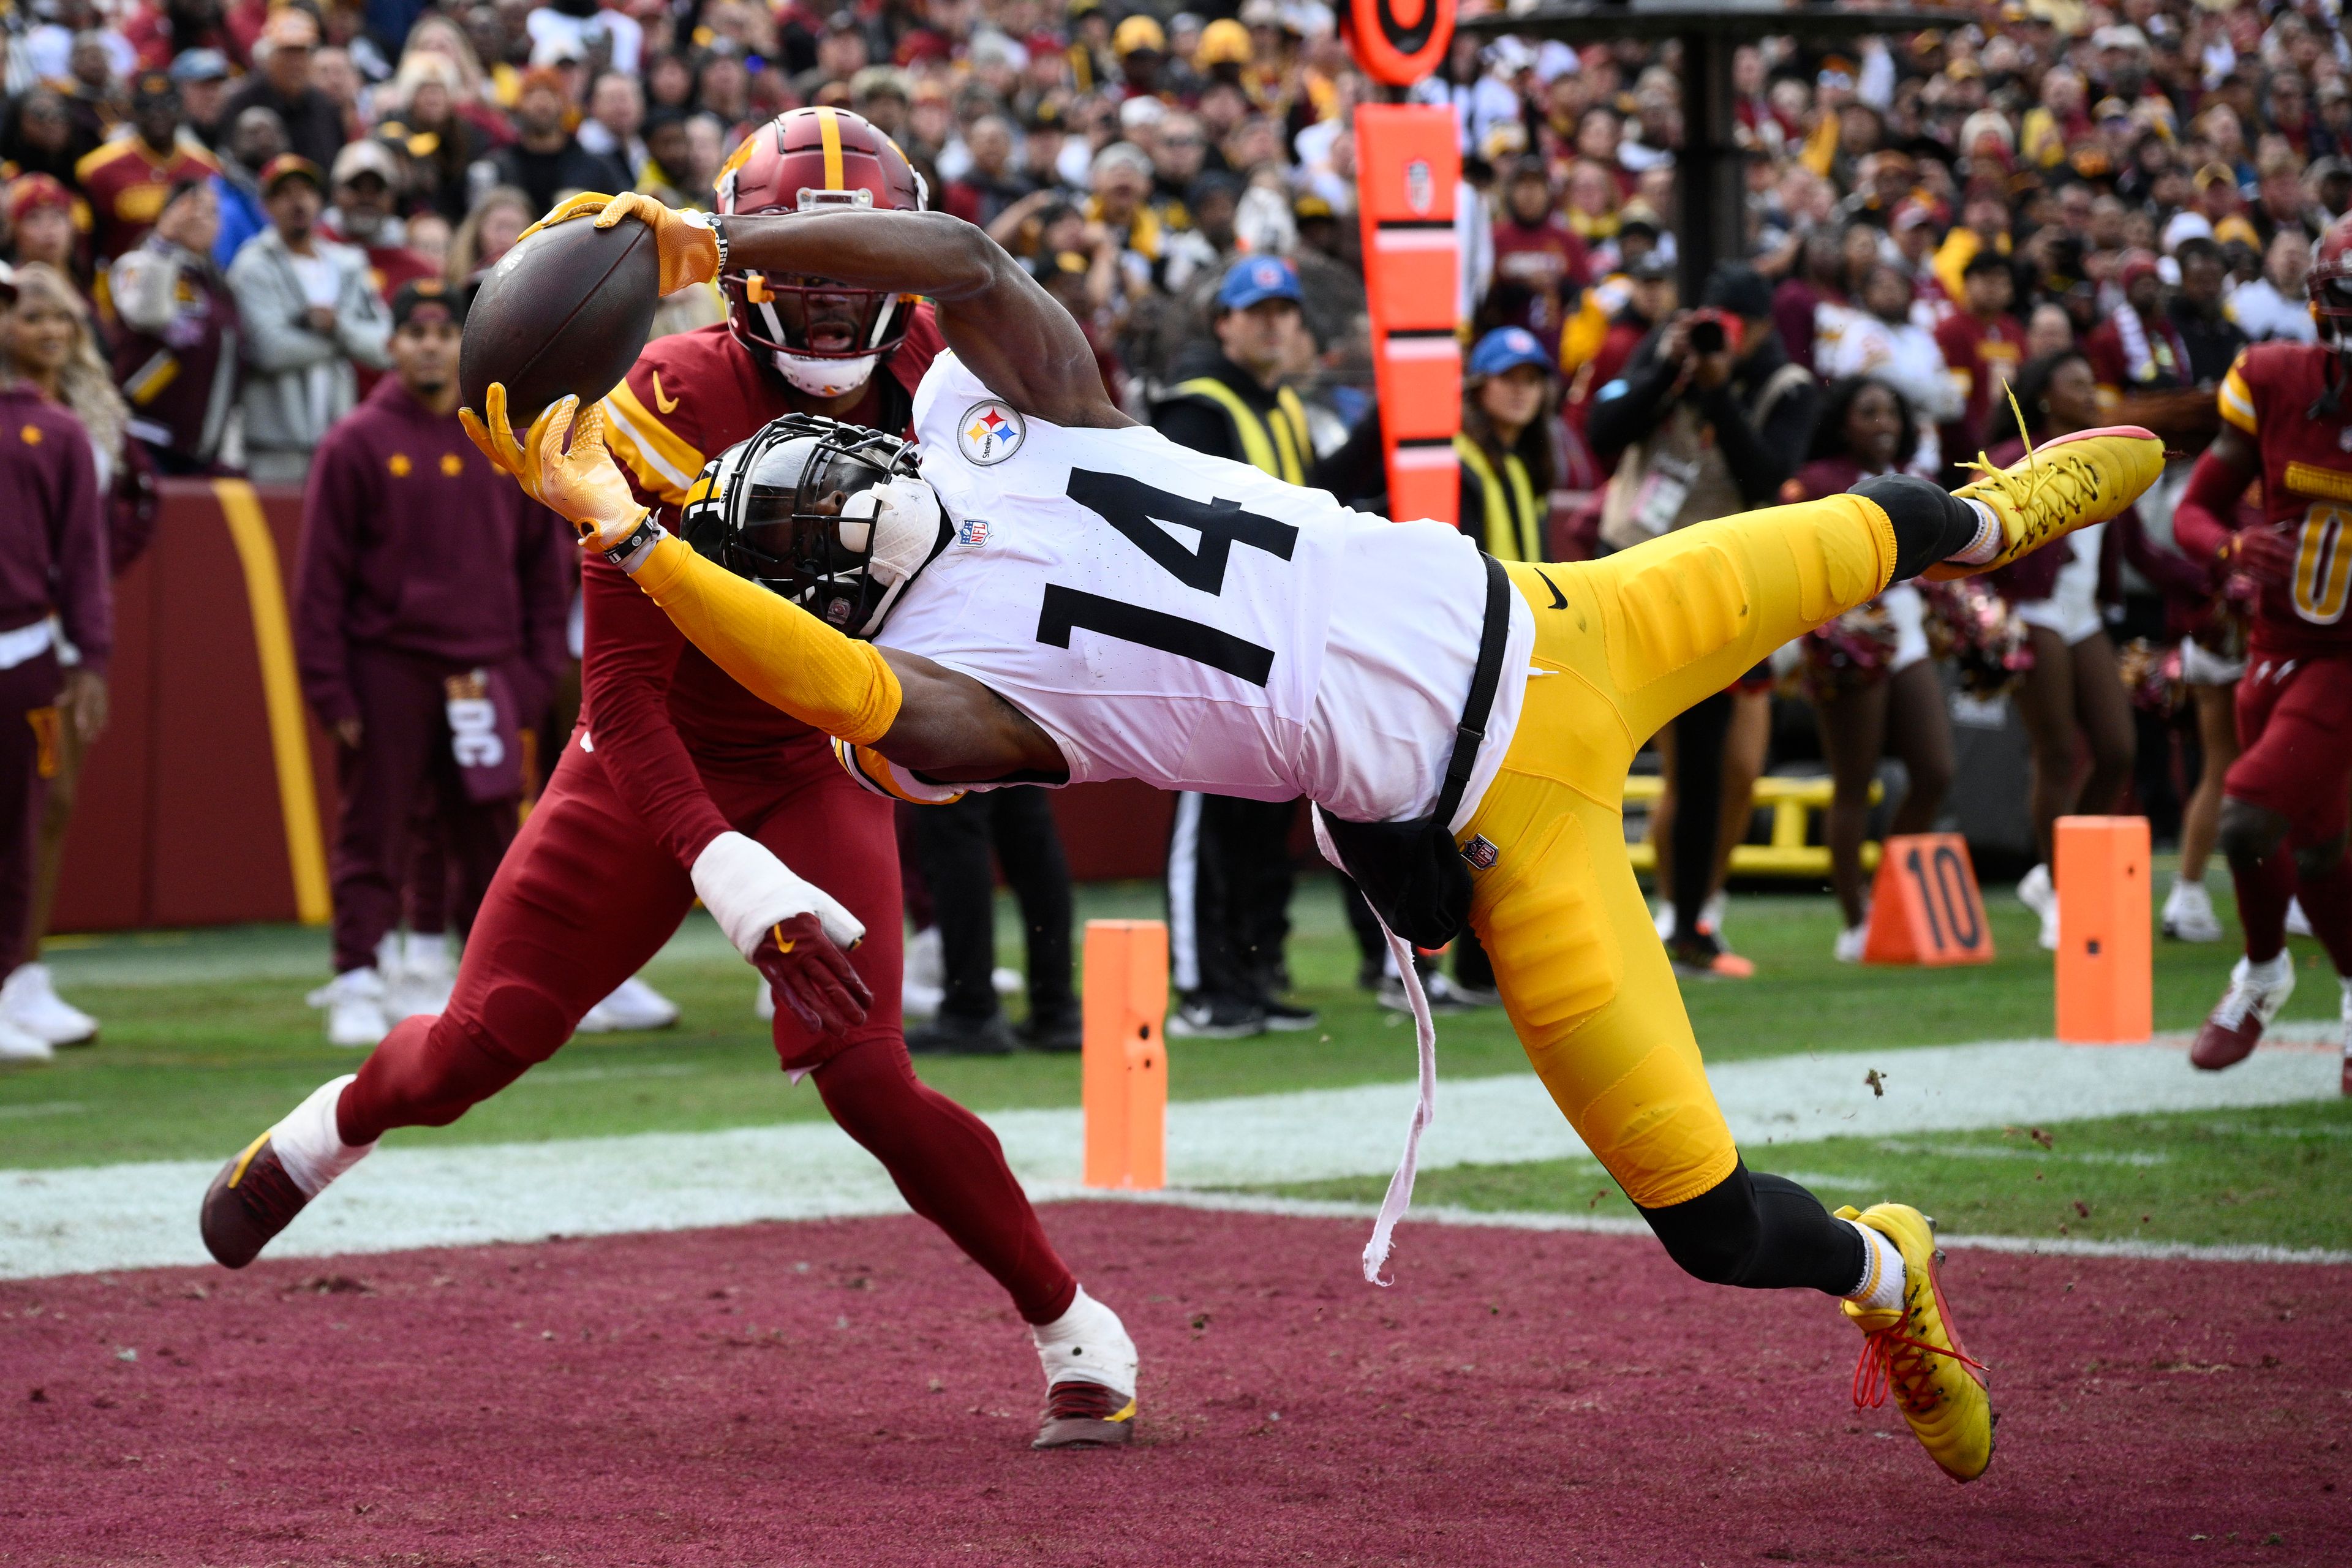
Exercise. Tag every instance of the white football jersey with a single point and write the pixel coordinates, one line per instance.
(1188, 621)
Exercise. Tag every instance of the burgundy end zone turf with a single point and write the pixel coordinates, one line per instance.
(856, 1393)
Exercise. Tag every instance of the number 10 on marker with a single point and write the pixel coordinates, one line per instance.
(1924, 907)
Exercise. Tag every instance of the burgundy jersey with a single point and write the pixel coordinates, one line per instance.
(2306, 477)
(1985, 355)
(1549, 262)
(127, 184)
(658, 709)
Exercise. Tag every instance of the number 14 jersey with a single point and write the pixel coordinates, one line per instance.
(1185, 620)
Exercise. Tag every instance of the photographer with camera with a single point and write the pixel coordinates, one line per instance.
(1710, 418)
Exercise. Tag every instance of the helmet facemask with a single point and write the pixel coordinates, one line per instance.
(2331, 311)
(833, 517)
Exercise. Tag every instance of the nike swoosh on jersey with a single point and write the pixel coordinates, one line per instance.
(1559, 599)
(666, 404)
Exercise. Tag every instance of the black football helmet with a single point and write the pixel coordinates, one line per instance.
(795, 507)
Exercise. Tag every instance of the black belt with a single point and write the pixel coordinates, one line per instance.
(1485, 681)
(1409, 873)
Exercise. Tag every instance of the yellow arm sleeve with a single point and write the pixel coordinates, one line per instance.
(778, 651)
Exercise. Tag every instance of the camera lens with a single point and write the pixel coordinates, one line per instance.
(1706, 337)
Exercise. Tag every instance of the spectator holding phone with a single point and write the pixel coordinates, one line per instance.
(1710, 418)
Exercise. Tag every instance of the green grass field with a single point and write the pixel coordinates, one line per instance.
(207, 1040)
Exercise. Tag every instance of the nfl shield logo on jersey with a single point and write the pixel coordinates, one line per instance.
(990, 432)
(972, 532)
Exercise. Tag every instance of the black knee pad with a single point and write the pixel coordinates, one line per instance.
(2247, 833)
(2315, 861)
(1929, 524)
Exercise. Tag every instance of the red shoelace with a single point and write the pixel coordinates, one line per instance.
(1890, 1356)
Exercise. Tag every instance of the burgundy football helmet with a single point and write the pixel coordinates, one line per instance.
(2330, 285)
(823, 339)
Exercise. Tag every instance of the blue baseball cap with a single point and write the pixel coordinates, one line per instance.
(1508, 348)
(1255, 279)
(199, 65)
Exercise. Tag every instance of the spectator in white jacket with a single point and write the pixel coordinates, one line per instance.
(309, 315)
(2274, 305)
(1880, 339)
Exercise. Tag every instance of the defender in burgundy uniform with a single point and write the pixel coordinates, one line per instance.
(679, 782)
(2286, 413)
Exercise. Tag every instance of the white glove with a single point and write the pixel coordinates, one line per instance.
(749, 891)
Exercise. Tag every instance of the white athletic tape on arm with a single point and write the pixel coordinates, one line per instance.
(1399, 1197)
(747, 890)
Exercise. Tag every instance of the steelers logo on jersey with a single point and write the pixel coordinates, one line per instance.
(990, 432)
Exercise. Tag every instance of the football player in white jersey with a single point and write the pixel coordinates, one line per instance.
(1042, 590)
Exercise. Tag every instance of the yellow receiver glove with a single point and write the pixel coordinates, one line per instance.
(561, 464)
(776, 650)
(688, 248)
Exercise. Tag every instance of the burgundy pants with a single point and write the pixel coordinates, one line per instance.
(587, 894)
(28, 760)
(404, 770)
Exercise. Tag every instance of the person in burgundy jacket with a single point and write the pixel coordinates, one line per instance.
(429, 628)
(53, 514)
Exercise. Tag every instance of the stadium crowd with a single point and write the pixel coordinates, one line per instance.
(2044, 216)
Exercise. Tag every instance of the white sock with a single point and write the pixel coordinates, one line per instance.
(1087, 1344)
(1881, 1287)
(428, 949)
(2271, 970)
(308, 1144)
(1989, 541)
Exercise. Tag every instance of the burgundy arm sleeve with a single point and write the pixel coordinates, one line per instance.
(85, 586)
(332, 499)
(2168, 570)
(2204, 521)
(631, 651)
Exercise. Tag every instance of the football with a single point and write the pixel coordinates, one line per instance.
(564, 312)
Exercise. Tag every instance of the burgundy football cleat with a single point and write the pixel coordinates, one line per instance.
(2235, 1026)
(249, 1202)
(1080, 1414)
(2224, 1045)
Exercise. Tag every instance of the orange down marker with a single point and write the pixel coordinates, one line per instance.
(2105, 994)
(1125, 1064)
(1924, 905)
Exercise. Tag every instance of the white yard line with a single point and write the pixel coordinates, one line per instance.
(1601, 1225)
(135, 1216)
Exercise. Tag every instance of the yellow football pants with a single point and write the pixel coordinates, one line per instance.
(1623, 645)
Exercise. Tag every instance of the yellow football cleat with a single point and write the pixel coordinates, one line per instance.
(2058, 487)
(1914, 1352)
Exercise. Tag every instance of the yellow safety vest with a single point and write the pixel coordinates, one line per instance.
(1278, 445)
(1514, 531)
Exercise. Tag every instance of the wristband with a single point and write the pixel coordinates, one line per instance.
(630, 552)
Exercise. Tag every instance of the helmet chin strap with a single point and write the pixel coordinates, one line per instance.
(826, 377)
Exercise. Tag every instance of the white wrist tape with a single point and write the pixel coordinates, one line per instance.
(748, 891)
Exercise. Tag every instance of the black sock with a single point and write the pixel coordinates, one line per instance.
(1764, 1233)
(1930, 524)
